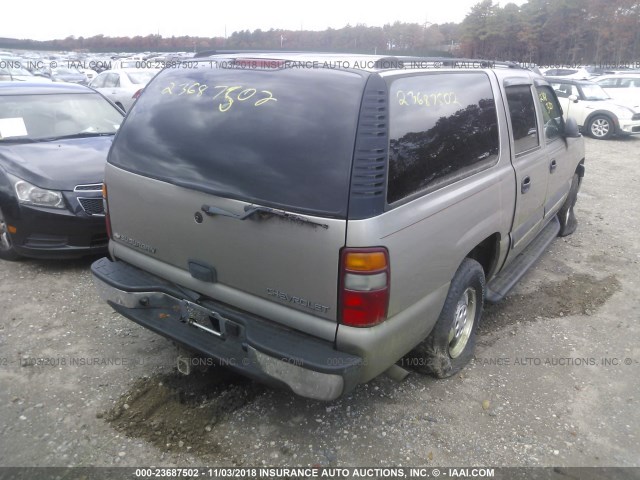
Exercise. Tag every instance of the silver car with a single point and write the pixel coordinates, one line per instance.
(313, 221)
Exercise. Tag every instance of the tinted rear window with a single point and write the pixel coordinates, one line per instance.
(277, 137)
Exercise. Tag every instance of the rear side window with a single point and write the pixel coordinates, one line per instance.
(629, 82)
(523, 118)
(443, 127)
(276, 137)
(99, 80)
(608, 83)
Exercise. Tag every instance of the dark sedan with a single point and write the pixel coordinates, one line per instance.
(54, 140)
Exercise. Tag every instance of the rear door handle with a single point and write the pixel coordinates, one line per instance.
(553, 165)
(525, 185)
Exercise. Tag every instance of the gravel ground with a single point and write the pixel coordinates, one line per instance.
(554, 382)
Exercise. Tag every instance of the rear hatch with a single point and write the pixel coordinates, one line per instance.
(240, 171)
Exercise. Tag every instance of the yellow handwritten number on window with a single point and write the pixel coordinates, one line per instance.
(226, 95)
(426, 99)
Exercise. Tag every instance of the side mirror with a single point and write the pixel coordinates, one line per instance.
(571, 128)
(573, 98)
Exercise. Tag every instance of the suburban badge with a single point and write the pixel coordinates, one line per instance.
(134, 243)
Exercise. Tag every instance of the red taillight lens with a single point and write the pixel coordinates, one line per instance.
(364, 286)
(137, 94)
(105, 206)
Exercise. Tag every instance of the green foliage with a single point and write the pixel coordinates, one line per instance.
(548, 32)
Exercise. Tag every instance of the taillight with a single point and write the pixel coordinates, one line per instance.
(364, 286)
(105, 207)
(137, 94)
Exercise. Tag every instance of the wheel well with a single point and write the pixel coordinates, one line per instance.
(601, 113)
(486, 254)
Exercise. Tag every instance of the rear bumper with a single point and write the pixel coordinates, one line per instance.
(243, 342)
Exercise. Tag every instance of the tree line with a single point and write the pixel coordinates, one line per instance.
(544, 32)
(549, 32)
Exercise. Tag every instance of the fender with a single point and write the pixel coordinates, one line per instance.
(8, 200)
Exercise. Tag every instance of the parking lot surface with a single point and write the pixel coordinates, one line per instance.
(555, 380)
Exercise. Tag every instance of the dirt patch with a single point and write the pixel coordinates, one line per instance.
(579, 294)
(179, 413)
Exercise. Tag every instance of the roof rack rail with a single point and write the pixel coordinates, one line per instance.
(380, 62)
(447, 62)
(208, 53)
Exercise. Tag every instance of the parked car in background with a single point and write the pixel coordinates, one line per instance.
(89, 73)
(11, 69)
(597, 114)
(126, 63)
(68, 74)
(622, 87)
(54, 140)
(122, 87)
(577, 73)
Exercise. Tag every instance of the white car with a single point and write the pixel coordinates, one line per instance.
(595, 112)
(622, 87)
(577, 73)
(122, 87)
(88, 72)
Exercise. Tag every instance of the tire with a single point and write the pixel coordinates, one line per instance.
(566, 214)
(601, 127)
(451, 343)
(7, 252)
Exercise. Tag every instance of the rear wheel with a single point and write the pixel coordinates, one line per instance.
(451, 343)
(601, 127)
(7, 252)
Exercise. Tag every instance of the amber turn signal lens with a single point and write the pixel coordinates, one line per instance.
(365, 262)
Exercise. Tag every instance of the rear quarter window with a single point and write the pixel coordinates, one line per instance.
(443, 127)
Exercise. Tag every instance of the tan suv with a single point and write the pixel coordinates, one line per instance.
(312, 220)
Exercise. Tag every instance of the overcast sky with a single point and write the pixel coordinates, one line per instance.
(47, 20)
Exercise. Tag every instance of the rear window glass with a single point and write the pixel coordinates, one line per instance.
(443, 127)
(278, 137)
